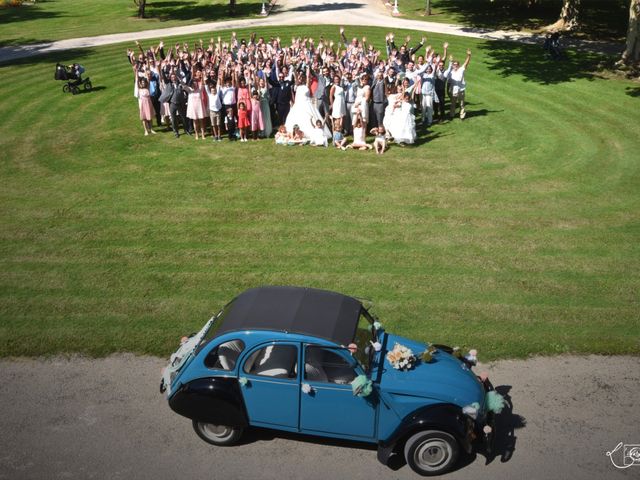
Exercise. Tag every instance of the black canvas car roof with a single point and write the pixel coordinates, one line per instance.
(308, 311)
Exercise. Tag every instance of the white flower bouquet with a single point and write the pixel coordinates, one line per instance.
(401, 357)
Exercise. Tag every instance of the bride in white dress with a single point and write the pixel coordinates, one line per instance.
(399, 120)
(303, 113)
(361, 105)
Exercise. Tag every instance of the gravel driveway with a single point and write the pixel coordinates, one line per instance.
(82, 418)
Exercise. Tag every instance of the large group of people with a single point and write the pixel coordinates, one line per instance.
(316, 92)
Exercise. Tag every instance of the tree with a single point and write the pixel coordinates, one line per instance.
(140, 4)
(427, 9)
(631, 53)
(568, 16)
(232, 7)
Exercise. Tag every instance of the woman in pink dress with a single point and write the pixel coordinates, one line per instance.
(196, 110)
(244, 95)
(144, 104)
(257, 121)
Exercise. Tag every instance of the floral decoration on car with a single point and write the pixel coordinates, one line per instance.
(362, 386)
(471, 357)
(401, 357)
(375, 326)
(427, 355)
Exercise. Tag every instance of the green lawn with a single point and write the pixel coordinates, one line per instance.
(516, 231)
(600, 19)
(48, 20)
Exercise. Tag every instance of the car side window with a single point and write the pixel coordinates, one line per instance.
(225, 355)
(279, 361)
(327, 365)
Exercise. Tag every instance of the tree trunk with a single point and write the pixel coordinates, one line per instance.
(140, 4)
(631, 53)
(568, 16)
(427, 10)
(232, 7)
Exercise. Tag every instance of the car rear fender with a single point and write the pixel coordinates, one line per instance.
(215, 400)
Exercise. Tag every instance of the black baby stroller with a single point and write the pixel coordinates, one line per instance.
(72, 74)
(552, 45)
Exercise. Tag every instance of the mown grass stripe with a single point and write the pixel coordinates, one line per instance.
(514, 231)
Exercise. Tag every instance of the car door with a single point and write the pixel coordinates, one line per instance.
(271, 391)
(327, 403)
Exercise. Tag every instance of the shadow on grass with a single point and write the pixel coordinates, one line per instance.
(425, 137)
(481, 112)
(530, 62)
(14, 42)
(633, 91)
(26, 12)
(40, 55)
(326, 7)
(93, 89)
(601, 19)
(192, 11)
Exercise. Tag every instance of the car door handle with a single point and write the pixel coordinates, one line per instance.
(306, 388)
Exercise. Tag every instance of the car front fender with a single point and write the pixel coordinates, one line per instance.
(445, 417)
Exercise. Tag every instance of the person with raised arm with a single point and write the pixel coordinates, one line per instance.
(174, 95)
(457, 84)
(196, 102)
(145, 105)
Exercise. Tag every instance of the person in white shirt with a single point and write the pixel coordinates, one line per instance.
(428, 94)
(455, 77)
(215, 108)
(411, 73)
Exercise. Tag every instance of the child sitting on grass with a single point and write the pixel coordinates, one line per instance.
(282, 137)
(359, 135)
(339, 140)
(380, 142)
(317, 135)
(297, 137)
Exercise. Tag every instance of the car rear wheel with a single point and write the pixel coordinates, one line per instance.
(431, 452)
(220, 435)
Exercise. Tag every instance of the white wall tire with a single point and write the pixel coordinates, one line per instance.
(220, 435)
(431, 452)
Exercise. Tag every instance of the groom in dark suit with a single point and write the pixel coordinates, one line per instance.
(281, 96)
(321, 95)
(379, 98)
(175, 95)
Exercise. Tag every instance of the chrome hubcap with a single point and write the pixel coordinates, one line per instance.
(433, 454)
(216, 431)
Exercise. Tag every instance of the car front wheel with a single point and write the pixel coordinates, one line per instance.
(221, 435)
(431, 452)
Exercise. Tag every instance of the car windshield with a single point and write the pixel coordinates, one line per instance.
(215, 326)
(365, 334)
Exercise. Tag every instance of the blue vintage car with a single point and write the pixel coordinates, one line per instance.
(318, 363)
